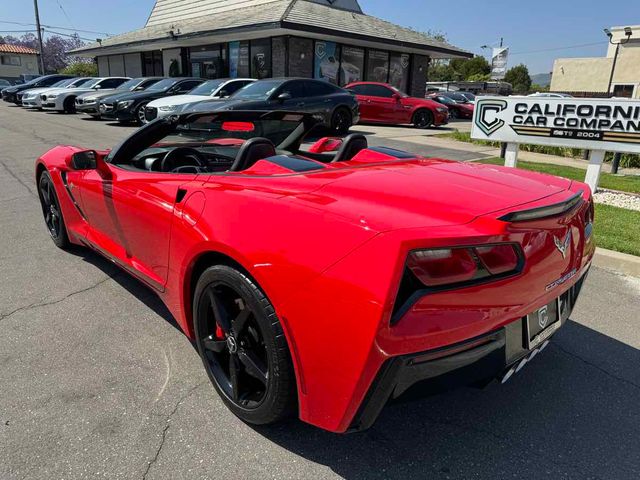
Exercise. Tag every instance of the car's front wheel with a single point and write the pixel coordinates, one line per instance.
(70, 105)
(242, 346)
(51, 211)
(423, 119)
(141, 116)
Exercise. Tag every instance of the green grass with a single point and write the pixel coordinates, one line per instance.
(628, 160)
(624, 183)
(617, 229)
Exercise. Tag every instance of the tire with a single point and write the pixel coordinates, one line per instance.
(141, 119)
(241, 337)
(422, 118)
(341, 120)
(70, 105)
(51, 211)
(453, 114)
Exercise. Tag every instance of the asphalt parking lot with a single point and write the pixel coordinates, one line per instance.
(96, 381)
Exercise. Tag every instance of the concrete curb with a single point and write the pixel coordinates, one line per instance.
(619, 262)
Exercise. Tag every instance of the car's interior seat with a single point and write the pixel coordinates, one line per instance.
(351, 146)
(251, 151)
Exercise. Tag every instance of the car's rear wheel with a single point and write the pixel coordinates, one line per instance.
(423, 119)
(51, 211)
(242, 346)
(70, 105)
(341, 120)
(141, 116)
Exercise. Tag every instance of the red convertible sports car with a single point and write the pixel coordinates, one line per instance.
(326, 283)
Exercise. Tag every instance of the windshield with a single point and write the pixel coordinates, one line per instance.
(62, 83)
(257, 90)
(86, 83)
(445, 100)
(398, 91)
(162, 85)
(130, 84)
(469, 96)
(208, 129)
(207, 88)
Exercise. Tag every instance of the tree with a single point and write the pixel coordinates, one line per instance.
(55, 49)
(475, 69)
(441, 72)
(467, 68)
(538, 88)
(519, 78)
(81, 69)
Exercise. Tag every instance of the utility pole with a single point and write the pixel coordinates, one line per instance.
(35, 4)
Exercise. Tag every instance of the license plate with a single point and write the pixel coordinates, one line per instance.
(546, 321)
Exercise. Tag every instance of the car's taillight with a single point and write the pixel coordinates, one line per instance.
(449, 266)
(498, 258)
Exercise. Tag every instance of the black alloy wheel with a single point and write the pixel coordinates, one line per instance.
(51, 211)
(422, 119)
(341, 120)
(453, 113)
(70, 105)
(242, 346)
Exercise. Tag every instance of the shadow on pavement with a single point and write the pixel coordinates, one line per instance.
(563, 416)
(132, 285)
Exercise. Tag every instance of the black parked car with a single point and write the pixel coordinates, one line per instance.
(10, 94)
(337, 107)
(130, 106)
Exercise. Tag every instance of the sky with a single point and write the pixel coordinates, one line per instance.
(536, 34)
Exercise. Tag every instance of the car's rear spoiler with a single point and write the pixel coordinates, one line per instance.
(544, 212)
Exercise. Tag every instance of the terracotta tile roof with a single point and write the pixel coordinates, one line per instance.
(6, 48)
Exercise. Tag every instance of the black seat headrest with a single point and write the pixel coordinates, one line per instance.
(351, 146)
(251, 151)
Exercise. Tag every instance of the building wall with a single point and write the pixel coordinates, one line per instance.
(627, 70)
(28, 66)
(418, 80)
(581, 74)
(300, 57)
(128, 65)
(279, 56)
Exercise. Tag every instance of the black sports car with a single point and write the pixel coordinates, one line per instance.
(130, 106)
(335, 106)
(10, 94)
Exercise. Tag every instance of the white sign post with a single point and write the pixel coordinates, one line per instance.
(599, 125)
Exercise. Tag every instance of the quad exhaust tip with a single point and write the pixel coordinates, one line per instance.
(520, 365)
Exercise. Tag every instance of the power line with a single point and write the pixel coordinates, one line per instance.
(56, 27)
(559, 48)
(65, 14)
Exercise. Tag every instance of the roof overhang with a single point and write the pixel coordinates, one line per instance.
(250, 32)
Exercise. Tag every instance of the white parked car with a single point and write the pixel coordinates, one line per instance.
(32, 98)
(65, 100)
(220, 88)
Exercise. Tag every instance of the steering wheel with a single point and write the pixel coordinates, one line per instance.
(182, 157)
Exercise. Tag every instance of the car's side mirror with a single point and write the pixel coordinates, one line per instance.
(85, 160)
(396, 97)
(283, 97)
(139, 88)
(223, 94)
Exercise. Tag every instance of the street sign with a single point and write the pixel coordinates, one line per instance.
(598, 125)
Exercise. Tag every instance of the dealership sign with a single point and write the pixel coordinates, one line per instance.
(590, 124)
(499, 63)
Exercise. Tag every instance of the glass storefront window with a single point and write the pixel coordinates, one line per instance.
(327, 61)
(209, 61)
(399, 70)
(261, 58)
(377, 66)
(352, 65)
(152, 64)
